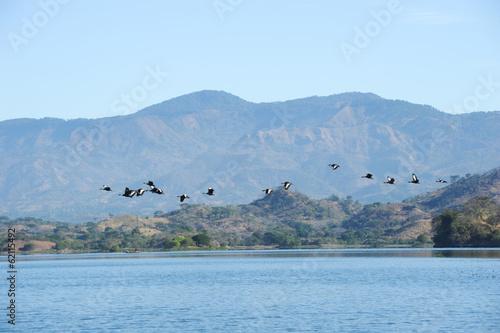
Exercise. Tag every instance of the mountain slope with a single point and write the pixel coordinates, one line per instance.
(52, 168)
(456, 194)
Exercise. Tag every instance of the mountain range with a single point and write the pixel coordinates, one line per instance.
(53, 168)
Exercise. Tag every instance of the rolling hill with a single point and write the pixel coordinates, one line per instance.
(284, 218)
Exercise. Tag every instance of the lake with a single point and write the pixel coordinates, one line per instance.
(339, 290)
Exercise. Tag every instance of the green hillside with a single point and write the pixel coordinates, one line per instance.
(465, 213)
(475, 224)
(461, 190)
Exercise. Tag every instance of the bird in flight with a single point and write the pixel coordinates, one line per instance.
(441, 181)
(414, 179)
(183, 197)
(390, 180)
(128, 193)
(334, 166)
(106, 188)
(150, 183)
(268, 191)
(368, 175)
(156, 190)
(140, 192)
(210, 191)
(287, 185)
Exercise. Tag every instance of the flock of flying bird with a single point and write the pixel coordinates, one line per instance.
(154, 189)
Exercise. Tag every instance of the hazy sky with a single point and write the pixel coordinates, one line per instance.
(92, 59)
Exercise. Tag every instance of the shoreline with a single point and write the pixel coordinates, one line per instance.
(245, 248)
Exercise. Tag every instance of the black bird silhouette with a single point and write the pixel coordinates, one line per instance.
(414, 179)
(268, 191)
(441, 181)
(128, 193)
(156, 190)
(150, 183)
(210, 191)
(334, 166)
(368, 175)
(106, 188)
(390, 180)
(183, 197)
(287, 185)
(140, 192)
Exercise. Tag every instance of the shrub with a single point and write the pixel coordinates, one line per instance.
(28, 247)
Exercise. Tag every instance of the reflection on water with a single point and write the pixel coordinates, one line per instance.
(386, 252)
(339, 290)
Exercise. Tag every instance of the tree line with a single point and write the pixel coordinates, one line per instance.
(285, 220)
(475, 224)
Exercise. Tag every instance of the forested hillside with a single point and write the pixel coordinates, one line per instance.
(475, 224)
(285, 219)
(461, 190)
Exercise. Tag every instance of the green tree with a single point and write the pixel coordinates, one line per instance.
(28, 247)
(114, 248)
(423, 239)
(473, 225)
(171, 243)
(187, 242)
(201, 239)
(289, 242)
(61, 245)
(272, 237)
(302, 229)
(176, 242)
(111, 233)
(442, 227)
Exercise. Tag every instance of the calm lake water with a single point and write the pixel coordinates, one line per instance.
(367, 290)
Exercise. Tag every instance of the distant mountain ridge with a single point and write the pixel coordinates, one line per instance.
(53, 169)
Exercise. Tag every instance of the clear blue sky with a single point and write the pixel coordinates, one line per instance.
(92, 59)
